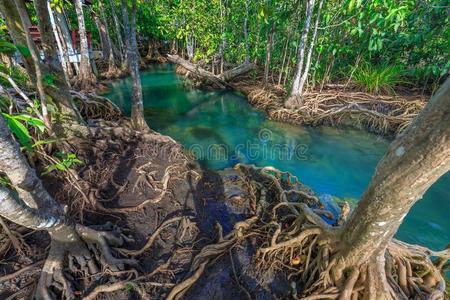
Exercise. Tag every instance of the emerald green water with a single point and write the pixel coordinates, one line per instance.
(222, 130)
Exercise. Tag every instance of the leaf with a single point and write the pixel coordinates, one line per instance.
(35, 122)
(7, 47)
(23, 50)
(19, 130)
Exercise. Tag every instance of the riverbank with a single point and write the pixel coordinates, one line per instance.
(333, 105)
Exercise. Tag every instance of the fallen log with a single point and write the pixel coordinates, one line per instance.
(197, 70)
(237, 71)
(220, 80)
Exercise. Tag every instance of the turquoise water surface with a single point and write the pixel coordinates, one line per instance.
(222, 130)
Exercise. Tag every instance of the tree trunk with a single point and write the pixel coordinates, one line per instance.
(295, 91)
(112, 68)
(237, 71)
(63, 58)
(20, 5)
(137, 104)
(86, 77)
(310, 50)
(44, 213)
(118, 33)
(22, 177)
(61, 90)
(269, 43)
(247, 46)
(412, 164)
(17, 31)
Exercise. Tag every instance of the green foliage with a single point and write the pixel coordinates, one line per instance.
(64, 162)
(17, 124)
(376, 79)
(4, 180)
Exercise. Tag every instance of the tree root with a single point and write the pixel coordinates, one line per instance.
(75, 242)
(301, 243)
(208, 253)
(293, 238)
(380, 113)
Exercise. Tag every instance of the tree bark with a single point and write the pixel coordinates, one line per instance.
(112, 68)
(137, 104)
(61, 90)
(23, 178)
(413, 162)
(295, 91)
(237, 71)
(269, 44)
(23, 14)
(247, 46)
(310, 50)
(118, 33)
(86, 77)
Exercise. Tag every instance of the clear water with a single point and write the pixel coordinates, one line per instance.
(222, 130)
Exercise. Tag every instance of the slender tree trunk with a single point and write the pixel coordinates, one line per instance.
(112, 69)
(295, 91)
(310, 50)
(20, 5)
(17, 30)
(137, 104)
(118, 33)
(412, 164)
(286, 46)
(269, 44)
(86, 76)
(19, 36)
(60, 89)
(247, 46)
(62, 56)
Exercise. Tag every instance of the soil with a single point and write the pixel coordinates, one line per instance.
(122, 174)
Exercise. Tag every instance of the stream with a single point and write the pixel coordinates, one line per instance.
(222, 129)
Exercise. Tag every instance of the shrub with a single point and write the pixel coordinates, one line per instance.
(378, 79)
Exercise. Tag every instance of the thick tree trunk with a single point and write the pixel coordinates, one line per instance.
(61, 90)
(20, 5)
(295, 91)
(86, 77)
(412, 164)
(310, 50)
(137, 104)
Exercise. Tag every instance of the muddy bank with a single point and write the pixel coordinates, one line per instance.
(165, 205)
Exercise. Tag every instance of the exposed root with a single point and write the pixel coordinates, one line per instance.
(293, 238)
(93, 106)
(209, 253)
(88, 253)
(153, 237)
(379, 113)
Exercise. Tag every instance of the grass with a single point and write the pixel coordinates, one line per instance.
(378, 79)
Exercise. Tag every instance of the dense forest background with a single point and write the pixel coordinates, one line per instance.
(395, 42)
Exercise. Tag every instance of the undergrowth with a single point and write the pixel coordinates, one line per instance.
(378, 78)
